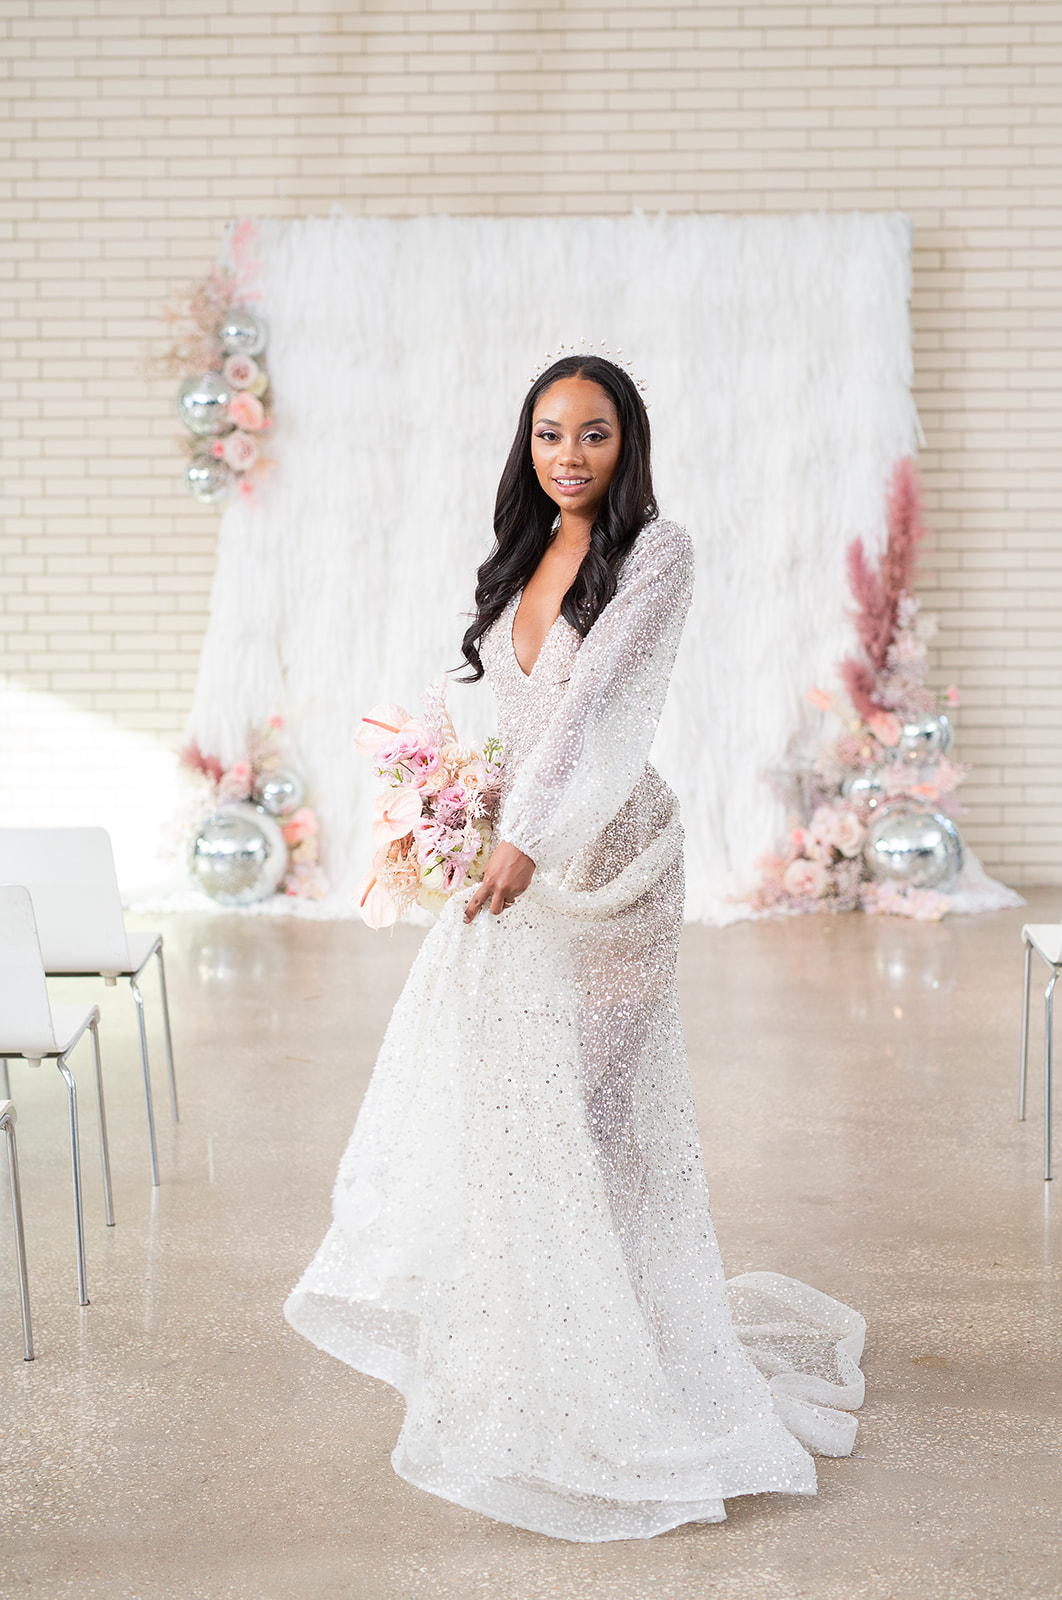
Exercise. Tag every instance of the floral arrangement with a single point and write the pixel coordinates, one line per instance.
(432, 822)
(260, 778)
(891, 744)
(224, 397)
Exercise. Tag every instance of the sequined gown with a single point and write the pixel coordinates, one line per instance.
(522, 1242)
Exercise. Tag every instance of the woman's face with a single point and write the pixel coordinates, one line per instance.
(575, 444)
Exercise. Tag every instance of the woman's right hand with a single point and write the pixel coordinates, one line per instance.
(508, 873)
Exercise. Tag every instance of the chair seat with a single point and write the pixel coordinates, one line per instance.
(1046, 940)
(68, 1023)
(140, 947)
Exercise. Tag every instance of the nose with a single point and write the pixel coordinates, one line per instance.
(571, 454)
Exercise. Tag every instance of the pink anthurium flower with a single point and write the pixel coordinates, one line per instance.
(374, 902)
(394, 813)
(378, 727)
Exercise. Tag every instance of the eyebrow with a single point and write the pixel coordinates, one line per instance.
(589, 424)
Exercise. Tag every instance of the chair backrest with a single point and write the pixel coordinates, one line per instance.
(70, 875)
(25, 1014)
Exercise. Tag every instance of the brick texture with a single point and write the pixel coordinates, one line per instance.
(133, 129)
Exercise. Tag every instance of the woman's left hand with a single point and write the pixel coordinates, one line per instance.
(507, 874)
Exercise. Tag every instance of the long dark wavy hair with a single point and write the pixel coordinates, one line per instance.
(524, 515)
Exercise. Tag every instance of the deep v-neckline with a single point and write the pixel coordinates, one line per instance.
(541, 649)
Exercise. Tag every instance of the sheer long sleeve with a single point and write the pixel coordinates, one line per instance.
(594, 748)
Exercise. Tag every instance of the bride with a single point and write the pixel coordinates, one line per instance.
(522, 1242)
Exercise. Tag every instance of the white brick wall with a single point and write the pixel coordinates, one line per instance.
(134, 128)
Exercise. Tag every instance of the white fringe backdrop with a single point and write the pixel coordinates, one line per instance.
(777, 357)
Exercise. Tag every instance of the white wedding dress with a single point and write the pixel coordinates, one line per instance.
(522, 1243)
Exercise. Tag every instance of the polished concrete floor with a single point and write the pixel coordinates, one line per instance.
(855, 1083)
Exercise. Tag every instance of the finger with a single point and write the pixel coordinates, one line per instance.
(474, 905)
(497, 901)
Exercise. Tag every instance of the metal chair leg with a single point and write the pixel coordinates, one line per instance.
(167, 1035)
(5, 1081)
(1049, 1005)
(75, 1165)
(101, 1122)
(139, 998)
(7, 1121)
(1023, 1072)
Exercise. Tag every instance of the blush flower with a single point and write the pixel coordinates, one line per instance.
(240, 371)
(240, 451)
(302, 824)
(885, 727)
(247, 411)
(805, 880)
(848, 834)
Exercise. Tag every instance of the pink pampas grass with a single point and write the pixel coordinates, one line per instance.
(860, 684)
(191, 756)
(878, 594)
(906, 532)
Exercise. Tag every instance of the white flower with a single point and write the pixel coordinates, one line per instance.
(848, 834)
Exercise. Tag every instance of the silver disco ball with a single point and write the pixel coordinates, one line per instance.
(239, 855)
(925, 738)
(279, 793)
(864, 788)
(203, 404)
(207, 479)
(242, 334)
(912, 845)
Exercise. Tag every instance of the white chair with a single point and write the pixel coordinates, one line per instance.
(1046, 939)
(70, 875)
(32, 1028)
(8, 1118)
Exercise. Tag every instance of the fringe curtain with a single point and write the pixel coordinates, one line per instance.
(776, 354)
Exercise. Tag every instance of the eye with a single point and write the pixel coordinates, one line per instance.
(547, 434)
(594, 437)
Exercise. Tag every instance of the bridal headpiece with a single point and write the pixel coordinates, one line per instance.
(584, 349)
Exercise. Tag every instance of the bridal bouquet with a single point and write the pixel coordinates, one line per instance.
(432, 821)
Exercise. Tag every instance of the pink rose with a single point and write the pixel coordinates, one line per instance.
(399, 751)
(805, 880)
(394, 813)
(451, 798)
(247, 411)
(302, 824)
(240, 451)
(951, 695)
(240, 371)
(848, 834)
(823, 825)
(885, 727)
